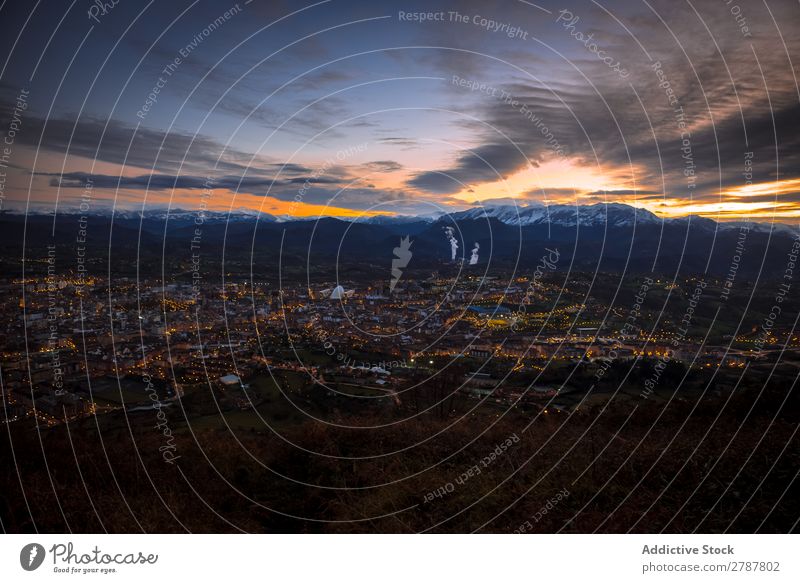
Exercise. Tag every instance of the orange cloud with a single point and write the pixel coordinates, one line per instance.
(224, 200)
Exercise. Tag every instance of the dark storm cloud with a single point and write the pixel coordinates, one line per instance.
(382, 166)
(147, 148)
(168, 182)
(313, 188)
(486, 163)
(115, 142)
(405, 143)
(596, 118)
(625, 127)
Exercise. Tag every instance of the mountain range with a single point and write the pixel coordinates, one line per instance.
(609, 237)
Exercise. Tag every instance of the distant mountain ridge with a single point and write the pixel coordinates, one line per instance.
(602, 214)
(607, 237)
(610, 215)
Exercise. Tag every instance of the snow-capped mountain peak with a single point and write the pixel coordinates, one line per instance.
(612, 214)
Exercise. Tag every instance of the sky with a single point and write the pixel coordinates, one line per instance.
(346, 108)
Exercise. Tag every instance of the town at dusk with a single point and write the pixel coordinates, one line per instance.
(392, 267)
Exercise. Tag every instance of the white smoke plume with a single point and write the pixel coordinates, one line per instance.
(474, 259)
(450, 234)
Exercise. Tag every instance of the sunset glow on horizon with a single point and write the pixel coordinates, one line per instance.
(414, 118)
